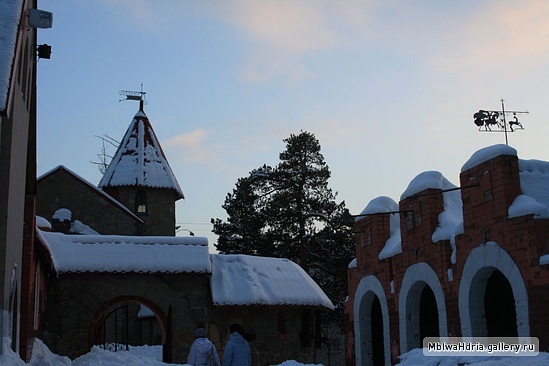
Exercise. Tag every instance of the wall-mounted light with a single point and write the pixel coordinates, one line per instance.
(44, 51)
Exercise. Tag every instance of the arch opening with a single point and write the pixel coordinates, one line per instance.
(428, 315)
(493, 300)
(499, 307)
(422, 308)
(130, 324)
(376, 318)
(372, 336)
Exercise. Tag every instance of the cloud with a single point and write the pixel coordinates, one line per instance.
(498, 36)
(284, 33)
(190, 148)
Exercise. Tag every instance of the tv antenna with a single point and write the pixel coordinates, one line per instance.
(497, 121)
(134, 95)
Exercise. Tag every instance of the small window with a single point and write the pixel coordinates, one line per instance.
(366, 239)
(141, 202)
(413, 218)
(487, 194)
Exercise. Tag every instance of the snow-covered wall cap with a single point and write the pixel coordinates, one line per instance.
(379, 204)
(62, 214)
(42, 223)
(488, 153)
(534, 185)
(125, 254)
(427, 180)
(241, 280)
(10, 16)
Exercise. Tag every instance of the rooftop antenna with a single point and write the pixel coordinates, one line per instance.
(134, 95)
(497, 121)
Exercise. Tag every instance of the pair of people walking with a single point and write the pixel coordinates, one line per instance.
(237, 351)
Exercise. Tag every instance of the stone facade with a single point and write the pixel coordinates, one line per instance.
(159, 216)
(489, 283)
(61, 188)
(180, 303)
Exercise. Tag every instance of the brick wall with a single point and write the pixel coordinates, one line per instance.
(488, 190)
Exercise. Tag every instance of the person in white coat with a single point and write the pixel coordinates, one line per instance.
(201, 349)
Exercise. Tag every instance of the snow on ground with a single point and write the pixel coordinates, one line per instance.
(149, 355)
(416, 358)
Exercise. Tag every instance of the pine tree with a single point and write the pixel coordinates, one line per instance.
(290, 212)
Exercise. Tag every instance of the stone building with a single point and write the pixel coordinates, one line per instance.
(115, 275)
(99, 283)
(88, 205)
(140, 178)
(467, 261)
(136, 195)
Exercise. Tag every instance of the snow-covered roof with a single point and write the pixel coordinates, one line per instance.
(140, 160)
(239, 279)
(236, 280)
(94, 188)
(113, 253)
(10, 16)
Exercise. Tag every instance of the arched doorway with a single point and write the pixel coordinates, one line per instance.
(492, 295)
(421, 307)
(499, 307)
(130, 324)
(371, 317)
(428, 315)
(376, 318)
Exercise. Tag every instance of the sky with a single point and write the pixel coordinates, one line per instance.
(389, 88)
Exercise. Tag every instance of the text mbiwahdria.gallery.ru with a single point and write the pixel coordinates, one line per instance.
(480, 346)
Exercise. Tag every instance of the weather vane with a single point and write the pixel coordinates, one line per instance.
(496, 121)
(133, 95)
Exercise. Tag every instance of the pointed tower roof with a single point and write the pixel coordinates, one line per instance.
(139, 160)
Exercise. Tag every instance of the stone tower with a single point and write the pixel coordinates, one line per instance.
(140, 178)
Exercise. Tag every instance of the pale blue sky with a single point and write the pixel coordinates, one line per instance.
(388, 87)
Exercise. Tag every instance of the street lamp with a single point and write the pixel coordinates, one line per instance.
(179, 228)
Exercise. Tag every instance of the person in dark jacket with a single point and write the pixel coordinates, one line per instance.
(201, 349)
(237, 351)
